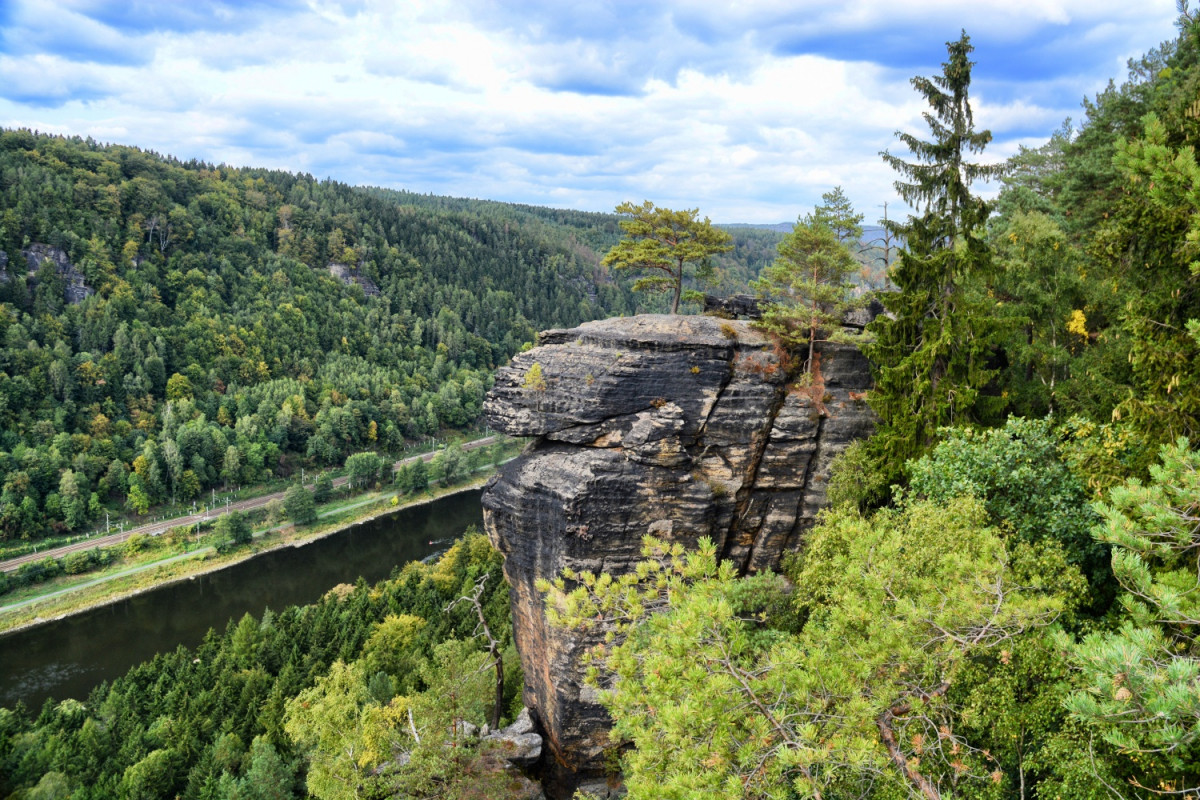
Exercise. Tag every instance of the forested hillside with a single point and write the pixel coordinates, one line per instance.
(167, 327)
(594, 233)
(223, 721)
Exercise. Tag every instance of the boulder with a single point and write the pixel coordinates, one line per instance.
(520, 742)
(75, 288)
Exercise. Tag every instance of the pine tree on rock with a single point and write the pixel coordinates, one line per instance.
(806, 287)
(931, 354)
(664, 241)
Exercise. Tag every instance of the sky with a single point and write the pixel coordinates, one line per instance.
(746, 110)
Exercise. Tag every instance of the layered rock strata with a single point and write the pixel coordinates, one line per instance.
(679, 426)
(351, 277)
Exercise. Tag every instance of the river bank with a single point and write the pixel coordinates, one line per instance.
(57, 601)
(70, 656)
(244, 499)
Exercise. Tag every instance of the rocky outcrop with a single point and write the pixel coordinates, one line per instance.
(352, 277)
(520, 742)
(680, 426)
(739, 306)
(503, 757)
(75, 288)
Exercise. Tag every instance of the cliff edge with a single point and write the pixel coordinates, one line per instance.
(680, 426)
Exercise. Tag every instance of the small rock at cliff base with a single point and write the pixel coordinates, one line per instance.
(600, 789)
(521, 744)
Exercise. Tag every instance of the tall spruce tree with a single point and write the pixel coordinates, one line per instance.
(930, 355)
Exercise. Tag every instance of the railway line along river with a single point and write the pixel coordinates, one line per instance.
(68, 657)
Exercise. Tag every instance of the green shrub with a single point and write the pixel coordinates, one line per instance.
(1025, 486)
(855, 479)
(77, 562)
(136, 544)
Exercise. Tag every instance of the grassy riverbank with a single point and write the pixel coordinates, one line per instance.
(168, 558)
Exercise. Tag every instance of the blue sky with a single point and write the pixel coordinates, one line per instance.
(747, 110)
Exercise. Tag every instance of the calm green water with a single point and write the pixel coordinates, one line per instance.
(69, 657)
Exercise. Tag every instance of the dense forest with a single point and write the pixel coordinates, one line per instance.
(168, 327)
(309, 691)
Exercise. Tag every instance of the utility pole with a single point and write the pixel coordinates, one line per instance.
(887, 243)
(107, 527)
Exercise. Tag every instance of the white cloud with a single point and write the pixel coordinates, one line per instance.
(749, 111)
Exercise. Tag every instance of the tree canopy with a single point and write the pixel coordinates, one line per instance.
(664, 241)
(931, 356)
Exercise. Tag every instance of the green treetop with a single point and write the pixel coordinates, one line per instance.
(664, 241)
(806, 286)
(299, 504)
(837, 213)
(232, 529)
(931, 353)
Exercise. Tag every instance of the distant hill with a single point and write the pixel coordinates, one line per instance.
(167, 327)
(871, 255)
(781, 227)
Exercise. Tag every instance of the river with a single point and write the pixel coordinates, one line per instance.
(70, 656)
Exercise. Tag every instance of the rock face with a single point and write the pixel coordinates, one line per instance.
(75, 288)
(742, 306)
(351, 277)
(680, 426)
(520, 742)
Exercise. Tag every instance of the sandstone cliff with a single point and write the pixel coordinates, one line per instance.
(679, 426)
(75, 288)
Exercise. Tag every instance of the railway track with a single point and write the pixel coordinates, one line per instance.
(162, 526)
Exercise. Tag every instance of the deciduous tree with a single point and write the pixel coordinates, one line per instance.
(364, 468)
(322, 488)
(299, 504)
(232, 529)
